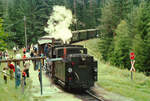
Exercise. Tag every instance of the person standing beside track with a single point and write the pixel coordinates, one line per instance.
(1, 55)
(46, 50)
(5, 75)
(18, 56)
(24, 50)
(18, 77)
(24, 77)
(14, 49)
(24, 56)
(12, 69)
(26, 68)
(31, 51)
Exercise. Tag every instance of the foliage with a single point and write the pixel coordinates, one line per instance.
(3, 37)
(122, 44)
(37, 13)
(112, 12)
(141, 44)
(125, 27)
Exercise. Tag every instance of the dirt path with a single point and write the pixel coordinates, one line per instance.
(50, 92)
(110, 96)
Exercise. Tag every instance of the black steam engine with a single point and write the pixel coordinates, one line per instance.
(76, 69)
(71, 66)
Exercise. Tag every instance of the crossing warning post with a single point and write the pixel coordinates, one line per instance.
(132, 56)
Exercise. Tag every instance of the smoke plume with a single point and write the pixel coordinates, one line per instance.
(59, 22)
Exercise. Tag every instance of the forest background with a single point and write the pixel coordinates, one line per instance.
(124, 26)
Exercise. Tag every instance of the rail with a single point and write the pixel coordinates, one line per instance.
(94, 96)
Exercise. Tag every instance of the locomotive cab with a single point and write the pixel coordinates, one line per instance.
(77, 69)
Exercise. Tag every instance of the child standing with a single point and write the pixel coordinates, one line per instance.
(24, 77)
(5, 75)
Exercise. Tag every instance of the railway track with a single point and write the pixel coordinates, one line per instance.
(88, 95)
(92, 94)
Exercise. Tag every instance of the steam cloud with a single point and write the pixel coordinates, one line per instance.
(59, 22)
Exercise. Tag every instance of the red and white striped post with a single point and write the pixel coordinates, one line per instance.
(132, 56)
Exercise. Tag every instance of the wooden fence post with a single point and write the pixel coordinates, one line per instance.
(41, 78)
(16, 74)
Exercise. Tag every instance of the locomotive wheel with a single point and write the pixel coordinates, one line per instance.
(55, 80)
(67, 88)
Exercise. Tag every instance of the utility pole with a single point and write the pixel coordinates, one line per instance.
(25, 31)
(6, 8)
(75, 13)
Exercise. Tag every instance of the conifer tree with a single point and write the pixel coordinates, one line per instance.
(3, 36)
(122, 44)
(141, 42)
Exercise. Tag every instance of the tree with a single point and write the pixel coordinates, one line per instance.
(141, 42)
(112, 13)
(122, 43)
(3, 37)
(108, 24)
(36, 12)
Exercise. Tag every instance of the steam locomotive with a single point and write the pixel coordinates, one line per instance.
(71, 67)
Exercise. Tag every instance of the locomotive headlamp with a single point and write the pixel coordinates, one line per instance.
(83, 58)
(69, 70)
(95, 69)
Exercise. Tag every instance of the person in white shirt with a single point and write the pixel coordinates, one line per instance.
(14, 49)
(18, 56)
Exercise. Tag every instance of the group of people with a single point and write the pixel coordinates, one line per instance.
(47, 50)
(4, 55)
(20, 73)
(11, 67)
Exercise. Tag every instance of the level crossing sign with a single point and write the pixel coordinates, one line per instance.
(132, 66)
(132, 56)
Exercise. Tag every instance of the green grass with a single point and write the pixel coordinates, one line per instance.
(118, 80)
(8, 92)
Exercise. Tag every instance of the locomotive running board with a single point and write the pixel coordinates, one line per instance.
(54, 59)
